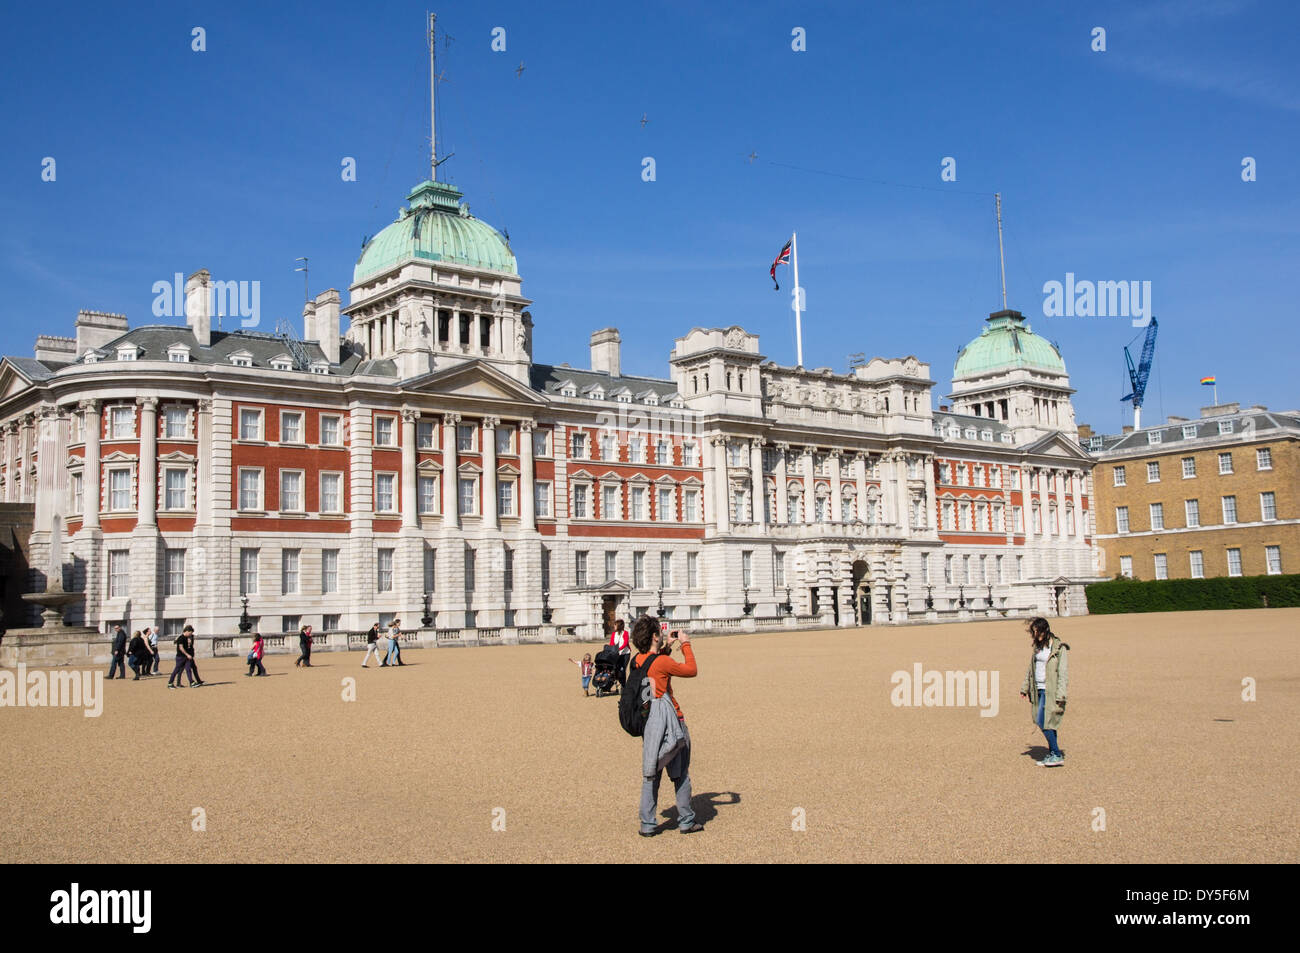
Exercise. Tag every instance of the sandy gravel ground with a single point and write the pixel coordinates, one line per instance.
(414, 770)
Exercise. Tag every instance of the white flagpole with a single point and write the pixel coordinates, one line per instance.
(798, 322)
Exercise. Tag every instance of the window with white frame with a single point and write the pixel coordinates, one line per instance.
(691, 506)
(1121, 519)
(505, 440)
(1157, 516)
(578, 446)
(384, 570)
(1018, 519)
(1234, 562)
(250, 423)
(541, 442)
(1229, 509)
(948, 511)
(664, 509)
(1153, 471)
(747, 568)
(77, 489)
(1196, 564)
(1153, 436)
(1125, 566)
(636, 450)
(291, 496)
(693, 570)
(119, 573)
(1192, 510)
(688, 454)
(947, 570)
(121, 422)
(580, 501)
(248, 572)
(331, 492)
(329, 571)
(119, 489)
(176, 488)
(580, 568)
(1189, 431)
(430, 568)
(427, 495)
(424, 434)
(738, 513)
(638, 509)
(465, 437)
(174, 572)
(385, 495)
(638, 570)
(289, 571)
(385, 431)
(1189, 467)
(1161, 566)
(1225, 426)
(609, 508)
(1273, 560)
(1225, 463)
(1264, 459)
(176, 422)
(178, 355)
(542, 500)
(331, 430)
(1267, 506)
(291, 427)
(250, 489)
(506, 498)
(467, 496)
(666, 570)
(663, 453)
(611, 565)
(608, 449)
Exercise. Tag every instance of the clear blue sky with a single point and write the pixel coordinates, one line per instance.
(1120, 165)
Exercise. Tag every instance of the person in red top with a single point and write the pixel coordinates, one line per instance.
(619, 640)
(255, 656)
(651, 640)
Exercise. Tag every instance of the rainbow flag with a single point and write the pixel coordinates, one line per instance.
(1209, 381)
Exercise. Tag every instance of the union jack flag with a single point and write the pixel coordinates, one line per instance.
(781, 259)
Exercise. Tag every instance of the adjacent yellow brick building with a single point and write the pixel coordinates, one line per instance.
(1215, 496)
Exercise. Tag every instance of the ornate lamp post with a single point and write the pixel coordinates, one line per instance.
(427, 619)
(961, 597)
(245, 623)
(788, 606)
(547, 611)
(749, 606)
(929, 597)
(662, 611)
(990, 589)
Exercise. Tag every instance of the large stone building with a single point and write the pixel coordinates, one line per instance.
(1187, 499)
(419, 453)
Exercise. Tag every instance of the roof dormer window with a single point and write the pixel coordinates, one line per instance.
(128, 352)
(242, 359)
(320, 367)
(282, 362)
(178, 354)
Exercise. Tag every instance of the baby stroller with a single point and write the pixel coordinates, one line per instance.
(608, 662)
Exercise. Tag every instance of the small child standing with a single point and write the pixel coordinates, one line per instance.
(585, 668)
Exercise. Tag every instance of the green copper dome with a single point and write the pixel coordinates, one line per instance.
(436, 227)
(1006, 343)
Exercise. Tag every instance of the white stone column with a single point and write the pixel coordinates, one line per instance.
(1076, 487)
(28, 449)
(527, 494)
(889, 487)
(756, 481)
(721, 487)
(837, 514)
(709, 500)
(11, 474)
(809, 486)
(90, 488)
(931, 497)
(410, 493)
(450, 509)
(490, 519)
(782, 508)
(203, 469)
(860, 481)
(147, 509)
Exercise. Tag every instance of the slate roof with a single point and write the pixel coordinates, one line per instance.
(547, 378)
(34, 369)
(945, 418)
(1207, 428)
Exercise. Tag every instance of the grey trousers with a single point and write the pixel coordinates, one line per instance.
(679, 772)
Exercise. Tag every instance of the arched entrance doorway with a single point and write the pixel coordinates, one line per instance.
(861, 592)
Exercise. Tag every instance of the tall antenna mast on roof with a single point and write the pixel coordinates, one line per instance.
(1002, 258)
(434, 161)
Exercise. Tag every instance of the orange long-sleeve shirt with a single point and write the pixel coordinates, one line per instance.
(664, 668)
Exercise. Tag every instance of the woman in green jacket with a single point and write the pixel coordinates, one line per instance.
(1045, 685)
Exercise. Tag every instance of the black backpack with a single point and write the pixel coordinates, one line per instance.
(634, 701)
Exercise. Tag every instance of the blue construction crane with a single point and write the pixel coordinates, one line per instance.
(1138, 375)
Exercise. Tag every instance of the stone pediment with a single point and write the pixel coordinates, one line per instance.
(1056, 444)
(475, 381)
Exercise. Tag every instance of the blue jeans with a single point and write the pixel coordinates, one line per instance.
(1048, 733)
(118, 667)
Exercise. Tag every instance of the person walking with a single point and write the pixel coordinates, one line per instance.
(655, 653)
(255, 656)
(372, 645)
(138, 656)
(394, 656)
(119, 653)
(1045, 686)
(620, 640)
(585, 670)
(184, 658)
(151, 639)
(304, 647)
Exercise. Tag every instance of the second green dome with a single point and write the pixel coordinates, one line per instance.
(1005, 343)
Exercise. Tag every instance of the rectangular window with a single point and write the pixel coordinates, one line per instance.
(611, 566)
(289, 571)
(1229, 509)
(78, 493)
(1157, 516)
(329, 571)
(542, 499)
(1121, 519)
(250, 424)
(1264, 459)
(1153, 436)
(947, 570)
(541, 443)
(1018, 519)
(691, 506)
(119, 573)
(638, 570)
(174, 583)
(578, 446)
(175, 421)
(119, 490)
(427, 495)
(1192, 510)
(250, 490)
(384, 571)
(291, 428)
(1267, 506)
(636, 450)
(579, 502)
(546, 569)
(1189, 467)
(174, 489)
(1125, 566)
(291, 491)
(693, 570)
(664, 508)
(331, 429)
(1001, 578)
(609, 503)
(1196, 564)
(1225, 426)
(466, 498)
(290, 623)
(471, 568)
(608, 449)
(465, 437)
(638, 503)
(580, 568)
(508, 570)
(1234, 562)
(1225, 463)
(663, 453)
(738, 506)
(1189, 431)
(1153, 471)
(688, 454)
(385, 499)
(248, 572)
(506, 498)
(331, 492)
(1162, 566)
(666, 570)
(424, 434)
(384, 432)
(747, 568)
(505, 441)
(430, 569)
(1020, 568)
(1273, 560)
(121, 423)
